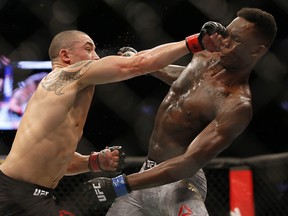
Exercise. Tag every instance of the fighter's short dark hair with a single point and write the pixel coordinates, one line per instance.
(264, 23)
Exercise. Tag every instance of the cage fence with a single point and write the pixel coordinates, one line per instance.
(270, 185)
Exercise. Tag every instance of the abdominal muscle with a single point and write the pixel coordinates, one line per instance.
(43, 163)
(41, 153)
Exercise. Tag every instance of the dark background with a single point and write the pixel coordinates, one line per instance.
(123, 113)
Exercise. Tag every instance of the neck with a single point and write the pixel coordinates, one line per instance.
(58, 65)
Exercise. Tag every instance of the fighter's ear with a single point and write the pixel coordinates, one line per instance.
(63, 53)
(259, 50)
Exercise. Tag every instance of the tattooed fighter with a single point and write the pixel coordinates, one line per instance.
(44, 147)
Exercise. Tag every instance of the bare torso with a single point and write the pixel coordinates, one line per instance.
(42, 150)
(190, 105)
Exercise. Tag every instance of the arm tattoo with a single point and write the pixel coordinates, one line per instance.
(58, 80)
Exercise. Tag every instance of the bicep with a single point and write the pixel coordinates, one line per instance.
(109, 69)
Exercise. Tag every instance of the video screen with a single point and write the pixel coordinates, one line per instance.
(18, 81)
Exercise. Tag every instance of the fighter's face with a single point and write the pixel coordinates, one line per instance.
(240, 42)
(84, 49)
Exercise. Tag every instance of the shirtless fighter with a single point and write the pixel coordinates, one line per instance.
(44, 147)
(206, 108)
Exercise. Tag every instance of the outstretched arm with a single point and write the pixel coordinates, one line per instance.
(167, 74)
(117, 68)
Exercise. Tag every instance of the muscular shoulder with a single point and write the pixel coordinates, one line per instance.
(58, 79)
(235, 113)
(74, 71)
(238, 102)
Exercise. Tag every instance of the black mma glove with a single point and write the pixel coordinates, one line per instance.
(101, 192)
(127, 51)
(194, 42)
(94, 163)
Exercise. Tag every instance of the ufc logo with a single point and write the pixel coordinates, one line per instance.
(100, 195)
(39, 192)
(151, 163)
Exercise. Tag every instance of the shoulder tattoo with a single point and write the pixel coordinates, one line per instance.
(57, 80)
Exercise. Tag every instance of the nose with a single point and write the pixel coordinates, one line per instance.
(95, 56)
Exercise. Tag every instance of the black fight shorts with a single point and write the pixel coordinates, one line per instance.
(19, 198)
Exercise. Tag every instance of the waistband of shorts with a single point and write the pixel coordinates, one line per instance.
(25, 186)
(148, 164)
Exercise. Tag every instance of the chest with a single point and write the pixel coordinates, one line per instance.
(195, 104)
(192, 102)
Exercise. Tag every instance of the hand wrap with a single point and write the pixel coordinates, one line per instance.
(94, 162)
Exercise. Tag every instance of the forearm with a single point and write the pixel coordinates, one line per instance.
(78, 165)
(164, 173)
(201, 150)
(107, 160)
(159, 57)
(121, 185)
(84, 163)
(169, 74)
